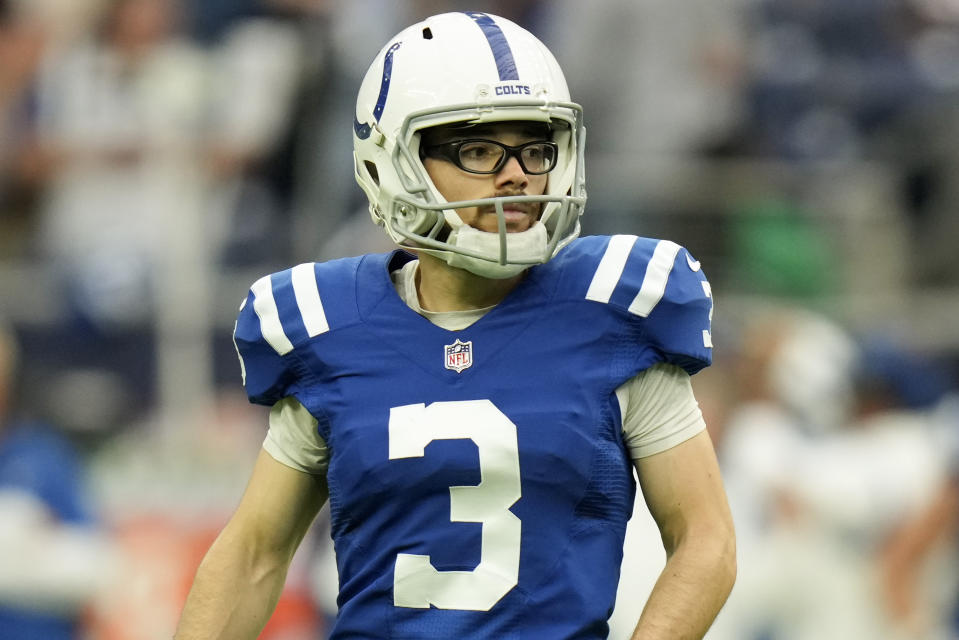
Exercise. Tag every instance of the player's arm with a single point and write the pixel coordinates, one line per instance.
(902, 557)
(685, 495)
(239, 581)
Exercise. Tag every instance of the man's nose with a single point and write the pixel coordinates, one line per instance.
(512, 173)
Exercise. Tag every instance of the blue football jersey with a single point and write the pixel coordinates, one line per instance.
(479, 482)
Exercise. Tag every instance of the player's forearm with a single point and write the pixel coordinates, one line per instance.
(234, 593)
(691, 590)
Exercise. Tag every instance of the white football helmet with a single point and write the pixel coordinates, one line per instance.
(467, 68)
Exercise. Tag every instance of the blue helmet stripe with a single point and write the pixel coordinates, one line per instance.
(497, 42)
(363, 130)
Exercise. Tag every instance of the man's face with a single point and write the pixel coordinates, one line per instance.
(455, 184)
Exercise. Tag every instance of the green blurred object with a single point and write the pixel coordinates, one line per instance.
(778, 250)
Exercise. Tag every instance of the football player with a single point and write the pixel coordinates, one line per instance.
(474, 405)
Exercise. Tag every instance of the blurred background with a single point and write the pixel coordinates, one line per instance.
(158, 156)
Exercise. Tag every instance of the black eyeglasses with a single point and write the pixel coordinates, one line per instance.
(488, 156)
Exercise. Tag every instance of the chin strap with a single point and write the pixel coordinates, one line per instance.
(523, 249)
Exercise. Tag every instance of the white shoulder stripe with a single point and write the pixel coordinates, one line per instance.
(238, 354)
(654, 282)
(610, 268)
(265, 307)
(308, 300)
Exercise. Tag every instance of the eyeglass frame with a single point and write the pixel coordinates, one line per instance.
(450, 151)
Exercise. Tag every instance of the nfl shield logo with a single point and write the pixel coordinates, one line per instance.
(459, 355)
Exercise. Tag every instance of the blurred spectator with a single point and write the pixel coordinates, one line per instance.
(906, 559)
(21, 46)
(918, 597)
(143, 145)
(342, 41)
(259, 70)
(22, 41)
(793, 380)
(118, 116)
(826, 454)
(55, 560)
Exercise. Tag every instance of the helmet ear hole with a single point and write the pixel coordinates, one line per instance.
(427, 33)
(371, 169)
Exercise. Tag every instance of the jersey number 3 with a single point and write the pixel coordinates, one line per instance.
(416, 582)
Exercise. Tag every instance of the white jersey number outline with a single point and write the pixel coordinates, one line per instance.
(416, 582)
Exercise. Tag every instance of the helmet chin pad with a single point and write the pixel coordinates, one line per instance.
(517, 250)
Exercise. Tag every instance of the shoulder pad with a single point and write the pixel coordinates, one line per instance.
(284, 310)
(659, 285)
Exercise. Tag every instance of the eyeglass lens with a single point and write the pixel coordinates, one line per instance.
(488, 156)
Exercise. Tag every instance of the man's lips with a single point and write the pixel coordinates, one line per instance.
(513, 212)
(515, 215)
(514, 209)
(511, 215)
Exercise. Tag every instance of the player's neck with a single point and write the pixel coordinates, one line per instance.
(441, 287)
